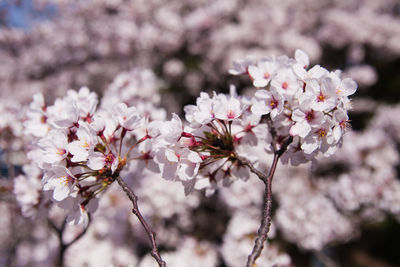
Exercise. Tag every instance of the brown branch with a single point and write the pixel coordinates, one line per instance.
(152, 236)
(263, 177)
(64, 246)
(263, 230)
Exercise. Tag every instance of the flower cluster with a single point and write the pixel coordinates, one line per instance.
(309, 104)
(203, 153)
(82, 150)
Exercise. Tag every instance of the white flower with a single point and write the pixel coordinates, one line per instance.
(203, 112)
(60, 180)
(178, 163)
(302, 58)
(189, 164)
(172, 130)
(323, 97)
(104, 124)
(54, 146)
(128, 118)
(85, 100)
(272, 102)
(87, 140)
(305, 118)
(36, 124)
(286, 83)
(145, 154)
(240, 66)
(263, 72)
(37, 104)
(97, 161)
(168, 162)
(63, 114)
(315, 72)
(341, 125)
(227, 109)
(318, 138)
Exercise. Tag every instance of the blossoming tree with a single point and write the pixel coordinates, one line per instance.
(296, 114)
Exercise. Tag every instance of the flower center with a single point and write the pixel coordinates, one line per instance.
(322, 133)
(321, 97)
(231, 114)
(310, 116)
(273, 104)
(109, 159)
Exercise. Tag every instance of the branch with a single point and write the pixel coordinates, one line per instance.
(135, 210)
(64, 246)
(263, 230)
(263, 177)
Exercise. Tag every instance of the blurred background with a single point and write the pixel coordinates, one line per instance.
(341, 211)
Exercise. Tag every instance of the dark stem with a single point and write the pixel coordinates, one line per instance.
(263, 230)
(152, 236)
(64, 246)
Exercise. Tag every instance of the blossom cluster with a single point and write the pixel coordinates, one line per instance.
(309, 104)
(81, 150)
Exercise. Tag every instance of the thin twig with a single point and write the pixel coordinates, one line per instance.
(64, 246)
(152, 236)
(263, 177)
(263, 230)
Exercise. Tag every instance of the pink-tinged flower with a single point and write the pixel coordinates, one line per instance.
(36, 124)
(343, 88)
(87, 140)
(168, 161)
(341, 125)
(104, 124)
(240, 66)
(302, 58)
(60, 180)
(318, 138)
(294, 154)
(63, 114)
(128, 118)
(286, 83)
(227, 109)
(189, 164)
(145, 155)
(37, 104)
(54, 146)
(271, 103)
(97, 161)
(263, 72)
(316, 72)
(203, 112)
(86, 101)
(305, 118)
(178, 163)
(172, 130)
(322, 96)
(77, 213)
